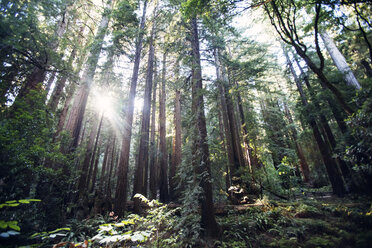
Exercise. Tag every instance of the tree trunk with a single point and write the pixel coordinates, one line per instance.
(39, 73)
(330, 164)
(60, 85)
(153, 147)
(231, 154)
(222, 137)
(93, 166)
(367, 67)
(303, 163)
(88, 154)
(80, 101)
(176, 147)
(163, 181)
(122, 181)
(336, 110)
(201, 160)
(50, 82)
(112, 165)
(95, 161)
(339, 61)
(140, 175)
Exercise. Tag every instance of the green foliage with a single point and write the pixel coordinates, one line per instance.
(15, 203)
(125, 25)
(360, 153)
(13, 224)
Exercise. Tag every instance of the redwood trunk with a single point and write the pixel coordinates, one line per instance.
(177, 141)
(78, 109)
(163, 160)
(201, 160)
(153, 147)
(122, 181)
(143, 154)
(330, 164)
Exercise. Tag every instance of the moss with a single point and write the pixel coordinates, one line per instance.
(306, 211)
(322, 241)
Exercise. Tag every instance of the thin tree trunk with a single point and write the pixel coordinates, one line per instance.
(336, 111)
(88, 154)
(60, 85)
(231, 154)
(95, 161)
(330, 164)
(93, 167)
(122, 181)
(367, 67)
(104, 166)
(176, 147)
(153, 147)
(112, 165)
(164, 193)
(339, 60)
(303, 163)
(201, 160)
(63, 115)
(222, 137)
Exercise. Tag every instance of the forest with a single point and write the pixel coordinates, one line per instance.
(186, 123)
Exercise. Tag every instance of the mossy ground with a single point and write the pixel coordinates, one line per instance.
(309, 223)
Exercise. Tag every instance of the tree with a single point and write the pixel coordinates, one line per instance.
(143, 149)
(330, 164)
(201, 160)
(283, 18)
(122, 181)
(339, 60)
(74, 123)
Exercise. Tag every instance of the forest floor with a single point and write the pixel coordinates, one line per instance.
(308, 221)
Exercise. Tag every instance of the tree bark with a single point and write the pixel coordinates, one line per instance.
(88, 154)
(92, 173)
(339, 61)
(81, 98)
(330, 164)
(163, 159)
(122, 181)
(140, 175)
(60, 85)
(153, 146)
(231, 154)
(367, 67)
(303, 163)
(201, 160)
(176, 147)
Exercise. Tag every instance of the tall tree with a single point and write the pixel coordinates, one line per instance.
(283, 17)
(74, 123)
(339, 60)
(201, 160)
(140, 175)
(176, 146)
(122, 181)
(330, 164)
(163, 160)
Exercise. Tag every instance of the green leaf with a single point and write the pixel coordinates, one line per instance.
(14, 227)
(3, 224)
(11, 201)
(13, 205)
